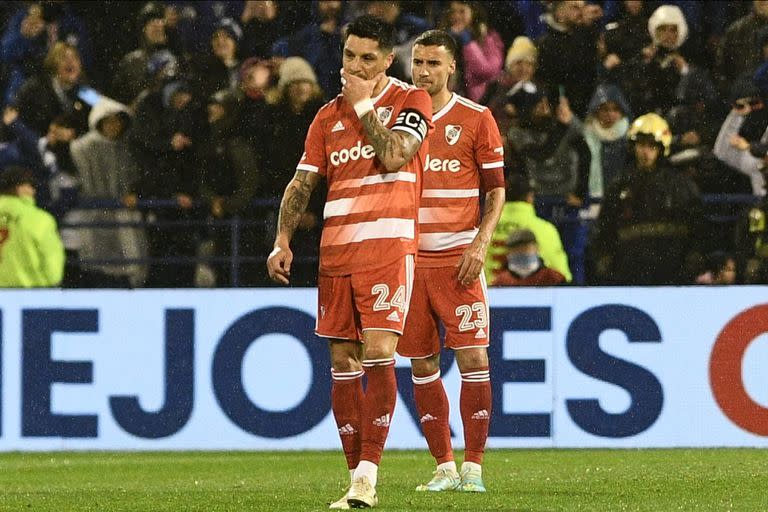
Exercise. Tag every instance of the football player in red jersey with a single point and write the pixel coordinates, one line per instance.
(368, 144)
(466, 158)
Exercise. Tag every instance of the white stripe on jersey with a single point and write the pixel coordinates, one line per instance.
(380, 228)
(471, 104)
(447, 192)
(307, 167)
(375, 179)
(493, 165)
(439, 215)
(443, 241)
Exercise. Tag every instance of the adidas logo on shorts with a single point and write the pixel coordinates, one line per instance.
(480, 333)
(347, 430)
(481, 415)
(381, 421)
(427, 417)
(393, 317)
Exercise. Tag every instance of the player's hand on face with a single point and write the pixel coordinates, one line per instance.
(471, 262)
(279, 264)
(356, 89)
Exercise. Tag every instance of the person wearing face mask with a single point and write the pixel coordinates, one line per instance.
(524, 264)
(519, 213)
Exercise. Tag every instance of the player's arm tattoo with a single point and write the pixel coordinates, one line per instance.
(394, 148)
(295, 201)
(494, 204)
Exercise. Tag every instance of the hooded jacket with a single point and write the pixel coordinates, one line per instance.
(108, 170)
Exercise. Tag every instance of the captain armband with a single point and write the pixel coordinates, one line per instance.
(413, 122)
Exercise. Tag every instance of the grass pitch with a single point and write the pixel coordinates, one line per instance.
(517, 480)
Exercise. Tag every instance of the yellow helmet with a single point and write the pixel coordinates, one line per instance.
(653, 125)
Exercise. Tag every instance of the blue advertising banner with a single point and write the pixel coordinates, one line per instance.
(242, 369)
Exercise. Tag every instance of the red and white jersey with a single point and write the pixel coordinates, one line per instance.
(370, 213)
(466, 156)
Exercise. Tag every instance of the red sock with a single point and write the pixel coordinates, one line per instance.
(378, 407)
(475, 405)
(346, 402)
(432, 404)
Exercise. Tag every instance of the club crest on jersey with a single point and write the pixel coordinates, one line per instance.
(452, 132)
(385, 114)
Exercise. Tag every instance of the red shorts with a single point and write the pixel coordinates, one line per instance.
(379, 299)
(439, 296)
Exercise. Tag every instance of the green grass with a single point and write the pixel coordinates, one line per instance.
(517, 480)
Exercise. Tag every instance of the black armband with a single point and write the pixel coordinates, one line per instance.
(413, 122)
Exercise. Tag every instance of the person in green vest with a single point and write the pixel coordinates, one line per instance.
(31, 251)
(519, 213)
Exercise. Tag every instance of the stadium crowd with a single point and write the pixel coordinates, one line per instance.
(625, 124)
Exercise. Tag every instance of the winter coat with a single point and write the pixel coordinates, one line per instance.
(39, 103)
(648, 229)
(108, 170)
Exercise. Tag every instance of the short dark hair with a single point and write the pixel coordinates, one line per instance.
(519, 185)
(13, 176)
(371, 27)
(438, 38)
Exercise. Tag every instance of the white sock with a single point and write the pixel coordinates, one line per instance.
(449, 466)
(471, 466)
(368, 469)
(351, 475)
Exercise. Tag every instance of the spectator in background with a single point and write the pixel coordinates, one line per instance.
(165, 139)
(29, 36)
(524, 266)
(605, 131)
(752, 242)
(649, 227)
(31, 252)
(737, 53)
(45, 96)
(229, 182)
(256, 79)
(220, 68)
(191, 23)
(550, 149)
(45, 156)
(625, 38)
(407, 27)
(519, 213)
(746, 87)
(298, 99)
(568, 52)
(482, 54)
(733, 149)
(481, 49)
(261, 27)
(660, 78)
(519, 68)
(719, 268)
(319, 43)
(107, 169)
(137, 70)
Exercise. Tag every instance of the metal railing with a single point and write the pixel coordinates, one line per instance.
(237, 224)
